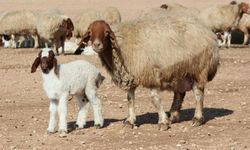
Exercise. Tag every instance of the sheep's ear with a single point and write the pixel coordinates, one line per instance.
(55, 66)
(244, 7)
(70, 24)
(35, 65)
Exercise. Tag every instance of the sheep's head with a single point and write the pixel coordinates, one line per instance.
(69, 27)
(244, 8)
(47, 61)
(164, 6)
(99, 34)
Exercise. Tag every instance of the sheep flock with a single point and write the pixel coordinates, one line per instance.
(167, 48)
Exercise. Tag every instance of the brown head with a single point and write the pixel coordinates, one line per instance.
(47, 61)
(244, 8)
(69, 27)
(100, 35)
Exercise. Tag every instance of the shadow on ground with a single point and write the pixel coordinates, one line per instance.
(107, 122)
(186, 115)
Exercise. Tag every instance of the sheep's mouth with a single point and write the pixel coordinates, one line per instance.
(46, 71)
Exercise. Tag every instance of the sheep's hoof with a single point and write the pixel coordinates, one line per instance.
(197, 121)
(174, 117)
(62, 134)
(163, 127)
(98, 126)
(127, 124)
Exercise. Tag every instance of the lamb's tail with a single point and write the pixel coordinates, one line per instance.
(99, 80)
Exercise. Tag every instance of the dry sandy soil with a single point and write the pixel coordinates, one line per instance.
(24, 106)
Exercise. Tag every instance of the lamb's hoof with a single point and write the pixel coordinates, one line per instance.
(163, 127)
(127, 124)
(50, 132)
(174, 118)
(98, 126)
(197, 121)
(62, 134)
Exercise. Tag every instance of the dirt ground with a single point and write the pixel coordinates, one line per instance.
(24, 106)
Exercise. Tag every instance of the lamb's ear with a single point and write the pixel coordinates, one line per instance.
(35, 65)
(70, 24)
(55, 66)
(112, 37)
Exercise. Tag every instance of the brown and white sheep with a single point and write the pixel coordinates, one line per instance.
(55, 28)
(158, 55)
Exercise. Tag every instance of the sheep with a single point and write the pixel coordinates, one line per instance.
(87, 16)
(70, 48)
(78, 78)
(158, 55)
(21, 22)
(222, 38)
(55, 27)
(244, 26)
(223, 17)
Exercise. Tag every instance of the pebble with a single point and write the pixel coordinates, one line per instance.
(130, 142)
(178, 145)
(120, 105)
(83, 142)
(12, 147)
(182, 142)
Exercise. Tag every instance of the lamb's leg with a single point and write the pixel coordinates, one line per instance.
(163, 119)
(95, 102)
(176, 106)
(199, 96)
(62, 111)
(130, 121)
(83, 103)
(52, 120)
(62, 44)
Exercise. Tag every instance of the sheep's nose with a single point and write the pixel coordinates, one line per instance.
(96, 44)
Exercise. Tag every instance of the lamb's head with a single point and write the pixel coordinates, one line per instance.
(47, 61)
(244, 8)
(100, 35)
(69, 27)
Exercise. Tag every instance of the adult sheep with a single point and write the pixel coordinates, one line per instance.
(20, 22)
(87, 16)
(223, 17)
(158, 55)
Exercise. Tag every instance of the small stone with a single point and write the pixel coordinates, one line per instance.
(83, 142)
(120, 105)
(130, 142)
(12, 147)
(182, 142)
(178, 145)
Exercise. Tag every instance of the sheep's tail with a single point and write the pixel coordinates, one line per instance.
(99, 80)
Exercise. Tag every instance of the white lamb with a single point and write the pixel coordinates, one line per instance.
(78, 78)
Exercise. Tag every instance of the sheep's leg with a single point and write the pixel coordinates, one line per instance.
(176, 107)
(246, 36)
(229, 37)
(36, 40)
(62, 44)
(199, 96)
(52, 120)
(83, 103)
(95, 102)
(130, 121)
(163, 119)
(62, 111)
